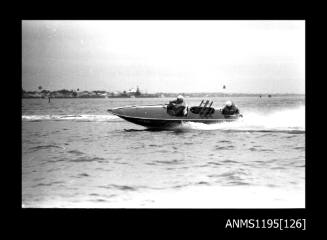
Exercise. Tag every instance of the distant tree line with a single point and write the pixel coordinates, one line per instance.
(65, 93)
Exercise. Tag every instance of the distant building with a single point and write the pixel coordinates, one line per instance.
(131, 91)
(104, 95)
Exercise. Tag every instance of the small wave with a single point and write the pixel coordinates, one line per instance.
(230, 161)
(163, 151)
(44, 147)
(299, 148)
(150, 163)
(213, 163)
(202, 183)
(170, 168)
(226, 174)
(119, 187)
(80, 118)
(238, 183)
(76, 152)
(272, 185)
(154, 145)
(123, 163)
(300, 166)
(87, 159)
(181, 186)
(224, 147)
(94, 194)
(278, 168)
(55, 160)
(256, 149)
(48, 184)
(100, 200)
(168, 162)
(83, 175)
(231, 176)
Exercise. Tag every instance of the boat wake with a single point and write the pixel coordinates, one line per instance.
(286, 120)
(80, 118)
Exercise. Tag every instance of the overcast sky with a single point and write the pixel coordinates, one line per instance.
(165, 56)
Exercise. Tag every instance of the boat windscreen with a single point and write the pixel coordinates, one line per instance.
(198, 110)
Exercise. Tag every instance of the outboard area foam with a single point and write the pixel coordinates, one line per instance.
(282, 120)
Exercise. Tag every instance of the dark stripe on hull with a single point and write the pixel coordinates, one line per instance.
(154, 123)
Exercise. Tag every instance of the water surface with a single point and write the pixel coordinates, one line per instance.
(75, 154)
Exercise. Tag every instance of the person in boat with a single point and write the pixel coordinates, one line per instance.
(177, 107)
(230, 108)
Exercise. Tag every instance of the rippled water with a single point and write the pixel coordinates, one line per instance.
(75, 154)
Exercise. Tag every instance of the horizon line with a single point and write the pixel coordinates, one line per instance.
(163, 92)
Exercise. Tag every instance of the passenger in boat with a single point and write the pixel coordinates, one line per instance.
(230, 108)
(178, 106)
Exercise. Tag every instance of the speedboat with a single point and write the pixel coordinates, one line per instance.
(162, 116)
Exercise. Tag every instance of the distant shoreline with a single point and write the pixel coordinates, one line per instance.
(132, 93)
(168, 95)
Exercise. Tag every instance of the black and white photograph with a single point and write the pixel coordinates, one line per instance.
(160, 114)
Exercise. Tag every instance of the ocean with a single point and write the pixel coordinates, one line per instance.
(77, 155)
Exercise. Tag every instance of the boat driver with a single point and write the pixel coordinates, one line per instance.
(178, 106)
(230, 108)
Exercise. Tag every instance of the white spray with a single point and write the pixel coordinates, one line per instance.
(281, 120)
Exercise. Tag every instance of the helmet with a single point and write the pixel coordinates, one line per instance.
(229, 103)
(180, 97)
